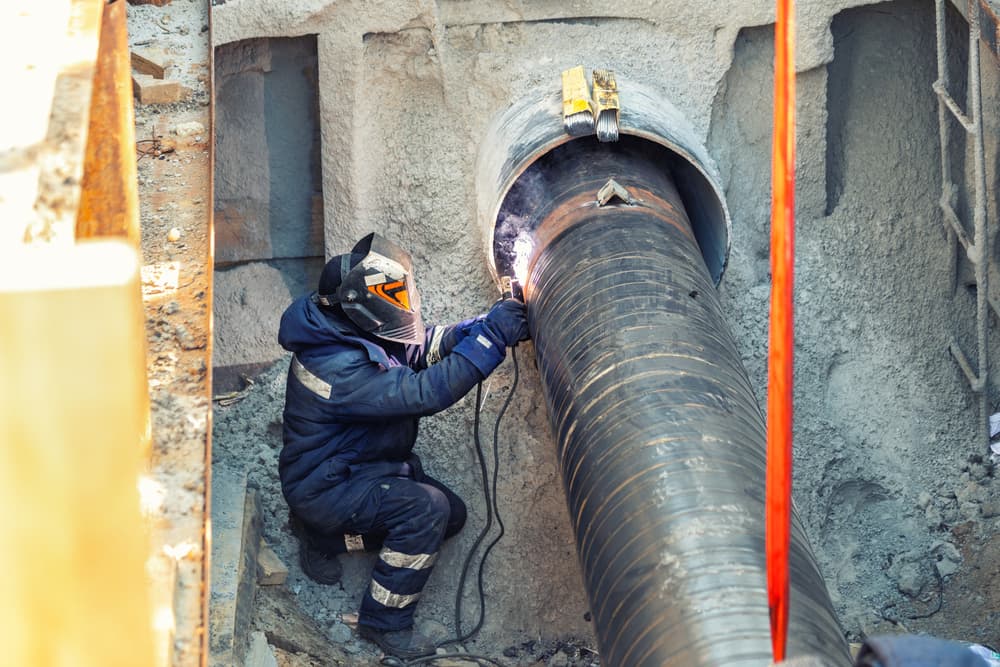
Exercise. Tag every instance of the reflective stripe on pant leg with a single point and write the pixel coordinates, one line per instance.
(401, 561)
(412, 562)
(387, 598)
(414, 517)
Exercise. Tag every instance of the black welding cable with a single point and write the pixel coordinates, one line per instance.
(480, 659)
(492, 509)
(459, 638)
(490, 504)
(496, 469)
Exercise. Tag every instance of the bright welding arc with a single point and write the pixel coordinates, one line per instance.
(523, 245)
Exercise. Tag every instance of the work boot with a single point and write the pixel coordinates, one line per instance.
(321, 567)
(406, 644)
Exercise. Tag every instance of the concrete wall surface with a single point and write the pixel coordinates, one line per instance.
(268, 195)
(897, 494)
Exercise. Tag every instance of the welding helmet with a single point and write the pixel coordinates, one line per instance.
(374, 286)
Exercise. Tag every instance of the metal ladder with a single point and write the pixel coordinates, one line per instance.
(976, 248)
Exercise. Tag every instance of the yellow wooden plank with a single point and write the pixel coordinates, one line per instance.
(74, 426)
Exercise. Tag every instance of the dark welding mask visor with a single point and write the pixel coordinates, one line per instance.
(379, 294)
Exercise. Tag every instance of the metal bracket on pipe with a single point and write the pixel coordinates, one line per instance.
(613, 189)
(533, 126)
(606, 104)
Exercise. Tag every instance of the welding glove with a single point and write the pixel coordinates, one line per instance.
(454, 334)
(507, 322)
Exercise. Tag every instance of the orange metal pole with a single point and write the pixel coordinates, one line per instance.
(782, 334)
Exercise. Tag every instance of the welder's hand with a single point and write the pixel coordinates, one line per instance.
(457, 332)
(508, 321)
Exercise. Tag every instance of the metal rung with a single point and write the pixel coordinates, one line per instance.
(956, 111)
(993, 290)
(976, 383)
(956, 225)
(992, 298)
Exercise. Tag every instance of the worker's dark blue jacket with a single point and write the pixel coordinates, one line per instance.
(352, 403)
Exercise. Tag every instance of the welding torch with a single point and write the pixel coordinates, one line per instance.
(510, 288)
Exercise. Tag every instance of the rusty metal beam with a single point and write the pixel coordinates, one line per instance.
(109, 203)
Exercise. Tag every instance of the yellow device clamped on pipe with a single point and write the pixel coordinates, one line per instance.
(510, 289)
(606, 104)
(578, 110)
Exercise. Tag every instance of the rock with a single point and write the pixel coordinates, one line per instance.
(950, 515)
(174, 235)
(969, 510)
(910, 580)
(186, 339)
(948, 557)
(970, 493)
(933, 516)
(946, 568)
(990, 509)
(964, 529)
(340, 633)
(978, 471)
(946, 550)
(558, 659)
(189, 129)
(923, 500)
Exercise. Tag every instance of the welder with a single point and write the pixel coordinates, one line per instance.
(363, 372)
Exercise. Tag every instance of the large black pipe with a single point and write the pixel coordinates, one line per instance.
(660, 438)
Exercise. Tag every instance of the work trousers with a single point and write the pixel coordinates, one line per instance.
(405, 521)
